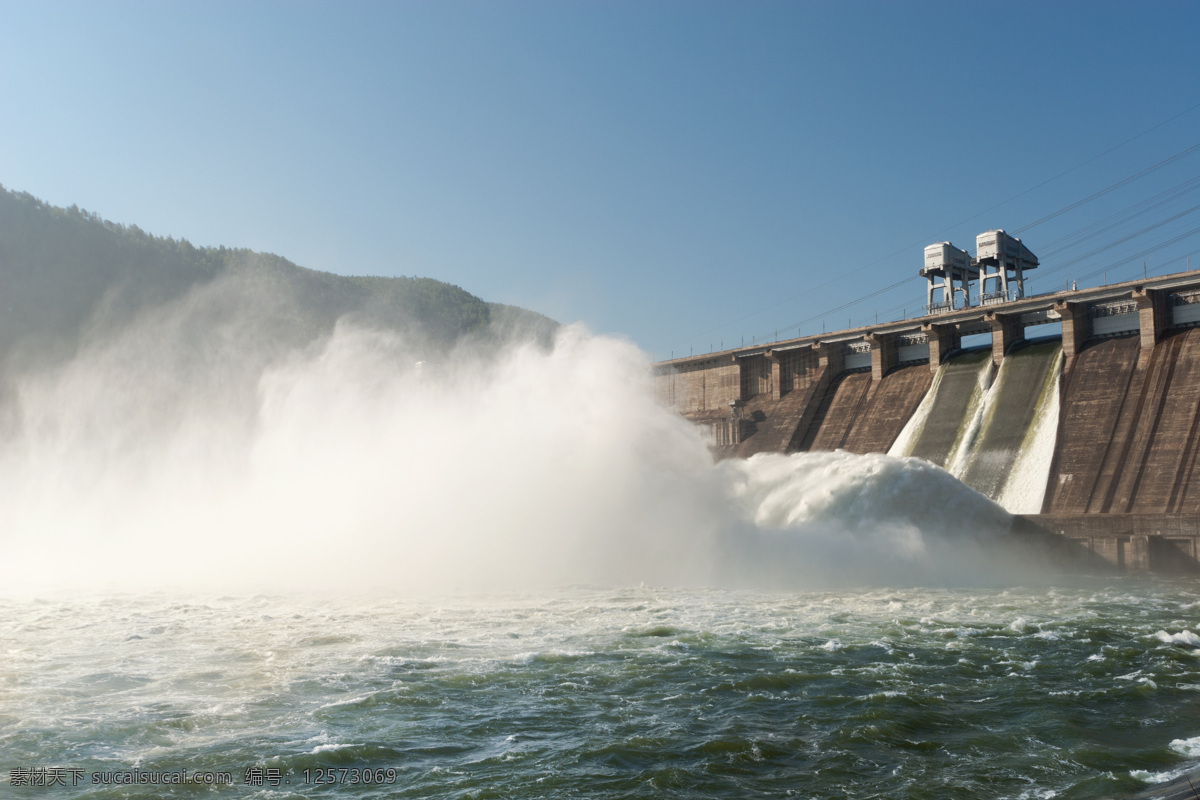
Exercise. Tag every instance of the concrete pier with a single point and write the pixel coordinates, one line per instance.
(942, 340)
(1076, 327)
(1007, 330)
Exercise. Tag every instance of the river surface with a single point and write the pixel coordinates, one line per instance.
(1086, 690)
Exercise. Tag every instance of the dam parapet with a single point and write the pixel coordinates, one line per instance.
(1112, 407)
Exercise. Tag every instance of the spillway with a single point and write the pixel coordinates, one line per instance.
(993, 429)
(1164, 446)
(839, 410)
(1096, 388)
(942, 423)
(775, 421)
(1009, 414)
(888, 408)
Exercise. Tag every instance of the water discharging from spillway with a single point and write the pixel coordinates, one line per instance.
(992, 429)
(340, 465)
(941, 426)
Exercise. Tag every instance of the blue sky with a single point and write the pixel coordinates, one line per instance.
(685, 174)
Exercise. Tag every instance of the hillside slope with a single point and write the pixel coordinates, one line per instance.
(64, 271)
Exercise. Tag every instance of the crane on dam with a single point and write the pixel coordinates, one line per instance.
(946, 266)
(1000, 260)
(996, 254)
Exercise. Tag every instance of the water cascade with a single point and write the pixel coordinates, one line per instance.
(942, 424)
(1025, 488)
(992, 429)
(1010, 410)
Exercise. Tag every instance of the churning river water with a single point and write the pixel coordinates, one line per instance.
(168, 515)
(1086, 690)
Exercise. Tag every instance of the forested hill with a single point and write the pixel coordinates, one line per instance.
(61, 268)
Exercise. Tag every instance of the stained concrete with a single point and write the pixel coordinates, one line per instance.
(864, 415)
(1129, 542)
(1129, 429)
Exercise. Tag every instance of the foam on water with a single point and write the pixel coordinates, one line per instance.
(659, 682)
(1147, 776)
(1187, 747)
(1184, 637)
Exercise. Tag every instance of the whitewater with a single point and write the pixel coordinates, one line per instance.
(1079, 692)
(350, 568)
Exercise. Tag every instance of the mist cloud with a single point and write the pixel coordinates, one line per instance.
(197, 446)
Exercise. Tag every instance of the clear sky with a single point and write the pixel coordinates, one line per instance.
(681, 173)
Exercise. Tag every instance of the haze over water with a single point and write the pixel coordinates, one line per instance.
(506, 572)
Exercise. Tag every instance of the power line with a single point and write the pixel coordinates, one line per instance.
(1108, 189)
(844, 275)
(1057, 213)
(1129, 213)
(1142, 254)
(1138, 209)
(844, 306)
(1109, 245)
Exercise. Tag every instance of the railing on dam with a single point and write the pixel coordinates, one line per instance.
(995, 298)
(1113, 319)
(1185, 309)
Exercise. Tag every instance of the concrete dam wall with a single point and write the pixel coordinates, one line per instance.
(1093, 434)
(864, 415)
(1129, 430)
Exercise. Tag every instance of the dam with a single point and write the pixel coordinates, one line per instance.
(1092, 435)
